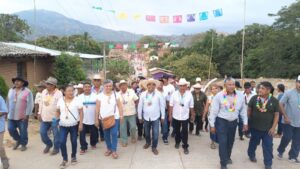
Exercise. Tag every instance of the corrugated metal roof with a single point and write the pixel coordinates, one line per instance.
(9, 50)
(29, 49)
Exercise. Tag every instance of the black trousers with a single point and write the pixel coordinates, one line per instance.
(181, 132)
(140, 127)
(199, 124)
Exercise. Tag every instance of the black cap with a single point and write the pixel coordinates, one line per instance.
(20, 79)
(237, 84)
(247, 85)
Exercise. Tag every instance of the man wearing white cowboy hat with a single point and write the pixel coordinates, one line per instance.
(151, 109)
(129, 100)
(46, 114)
(200, 100)
(97, 89)
(20, 106)
(181, 106)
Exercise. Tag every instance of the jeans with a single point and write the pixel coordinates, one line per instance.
(140, 127)
(166, 127)
(154, 125)
(64, 131)
(93, 136)
(267, 145)
(290, 133)
(240, 126)
(280, 125)
(225, 134)
(44, 128)
(20, 135)
(132, 125)
(199, 124)
(181, 132)
(111, 137)
(101, 133)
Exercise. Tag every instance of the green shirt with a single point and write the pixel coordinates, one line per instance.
(263, 121)
(199, 103)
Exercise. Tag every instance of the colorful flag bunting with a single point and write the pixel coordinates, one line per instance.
(133, 46)
(111, 46)
(177, 19)
(191, 17)
(164, 19)
(203, 15)
(146, 45)
(97, 7)
(119, 46)
(122, 16)
(125, 46)
(218, 12)
(137, 16)
(150, 18)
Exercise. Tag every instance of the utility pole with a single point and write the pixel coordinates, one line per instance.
(34, 56)
(211, 53)
(243, 43)
(104, 61)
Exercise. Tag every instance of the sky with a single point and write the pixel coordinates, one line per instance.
(231, 21)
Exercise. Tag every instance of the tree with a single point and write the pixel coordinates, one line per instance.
(3, 88)
(194, 65)
(12, 28)
(118, 69)
(68, 68)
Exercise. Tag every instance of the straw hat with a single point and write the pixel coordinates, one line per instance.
(97, 77)
(182, 82)
(198, 79)
(145, 83)
(197, 86)
(51, 80)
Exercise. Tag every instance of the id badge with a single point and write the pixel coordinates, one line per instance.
(149, 103)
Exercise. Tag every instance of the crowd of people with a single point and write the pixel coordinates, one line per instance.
(137, 110)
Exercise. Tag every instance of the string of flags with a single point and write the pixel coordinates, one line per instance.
(191, 17)
(145, 46)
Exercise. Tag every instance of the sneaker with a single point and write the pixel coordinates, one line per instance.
(177, 145)
(186, 151)
(16, 146)
(213, 145)
(124, 144)
(54, 152)
(5, 163)
(73, 160)
(154, 150)
(166, 142)
(280, 156)
(268, 167)
(146, 146)
(133, 140)
(229, 161)
(102, 139)
(63, 165)
(173, 134)
(253, 159)
(47, 149)
(223, 167)
(294, 160)
(241, 138)
(82, 152)
(23, 148)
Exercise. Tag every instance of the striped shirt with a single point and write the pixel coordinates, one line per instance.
(20, 104)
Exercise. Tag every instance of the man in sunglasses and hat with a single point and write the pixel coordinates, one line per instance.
(20, 106)
(46, 114)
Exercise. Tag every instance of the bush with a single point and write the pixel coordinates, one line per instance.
(3, 88)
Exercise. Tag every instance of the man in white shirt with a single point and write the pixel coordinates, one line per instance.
(168, 90)
(88, 100)
(38, 96)
(97, 89)
(129, 100)
(181, 105)
(151, 109)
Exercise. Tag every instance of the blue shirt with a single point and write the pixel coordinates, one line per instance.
(3, 109)
(291, 101)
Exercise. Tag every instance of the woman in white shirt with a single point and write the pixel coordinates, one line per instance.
(69, 112)
(107, 105)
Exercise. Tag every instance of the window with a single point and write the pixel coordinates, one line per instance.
(21, 69)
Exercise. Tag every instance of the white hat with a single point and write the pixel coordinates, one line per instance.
(79, 86)
(145, 83)
(123, 82)
(51, 80)
(182, 82)
(198, 79)
(298, 79)
(189, 84)
(197, 86)
(97, 77)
